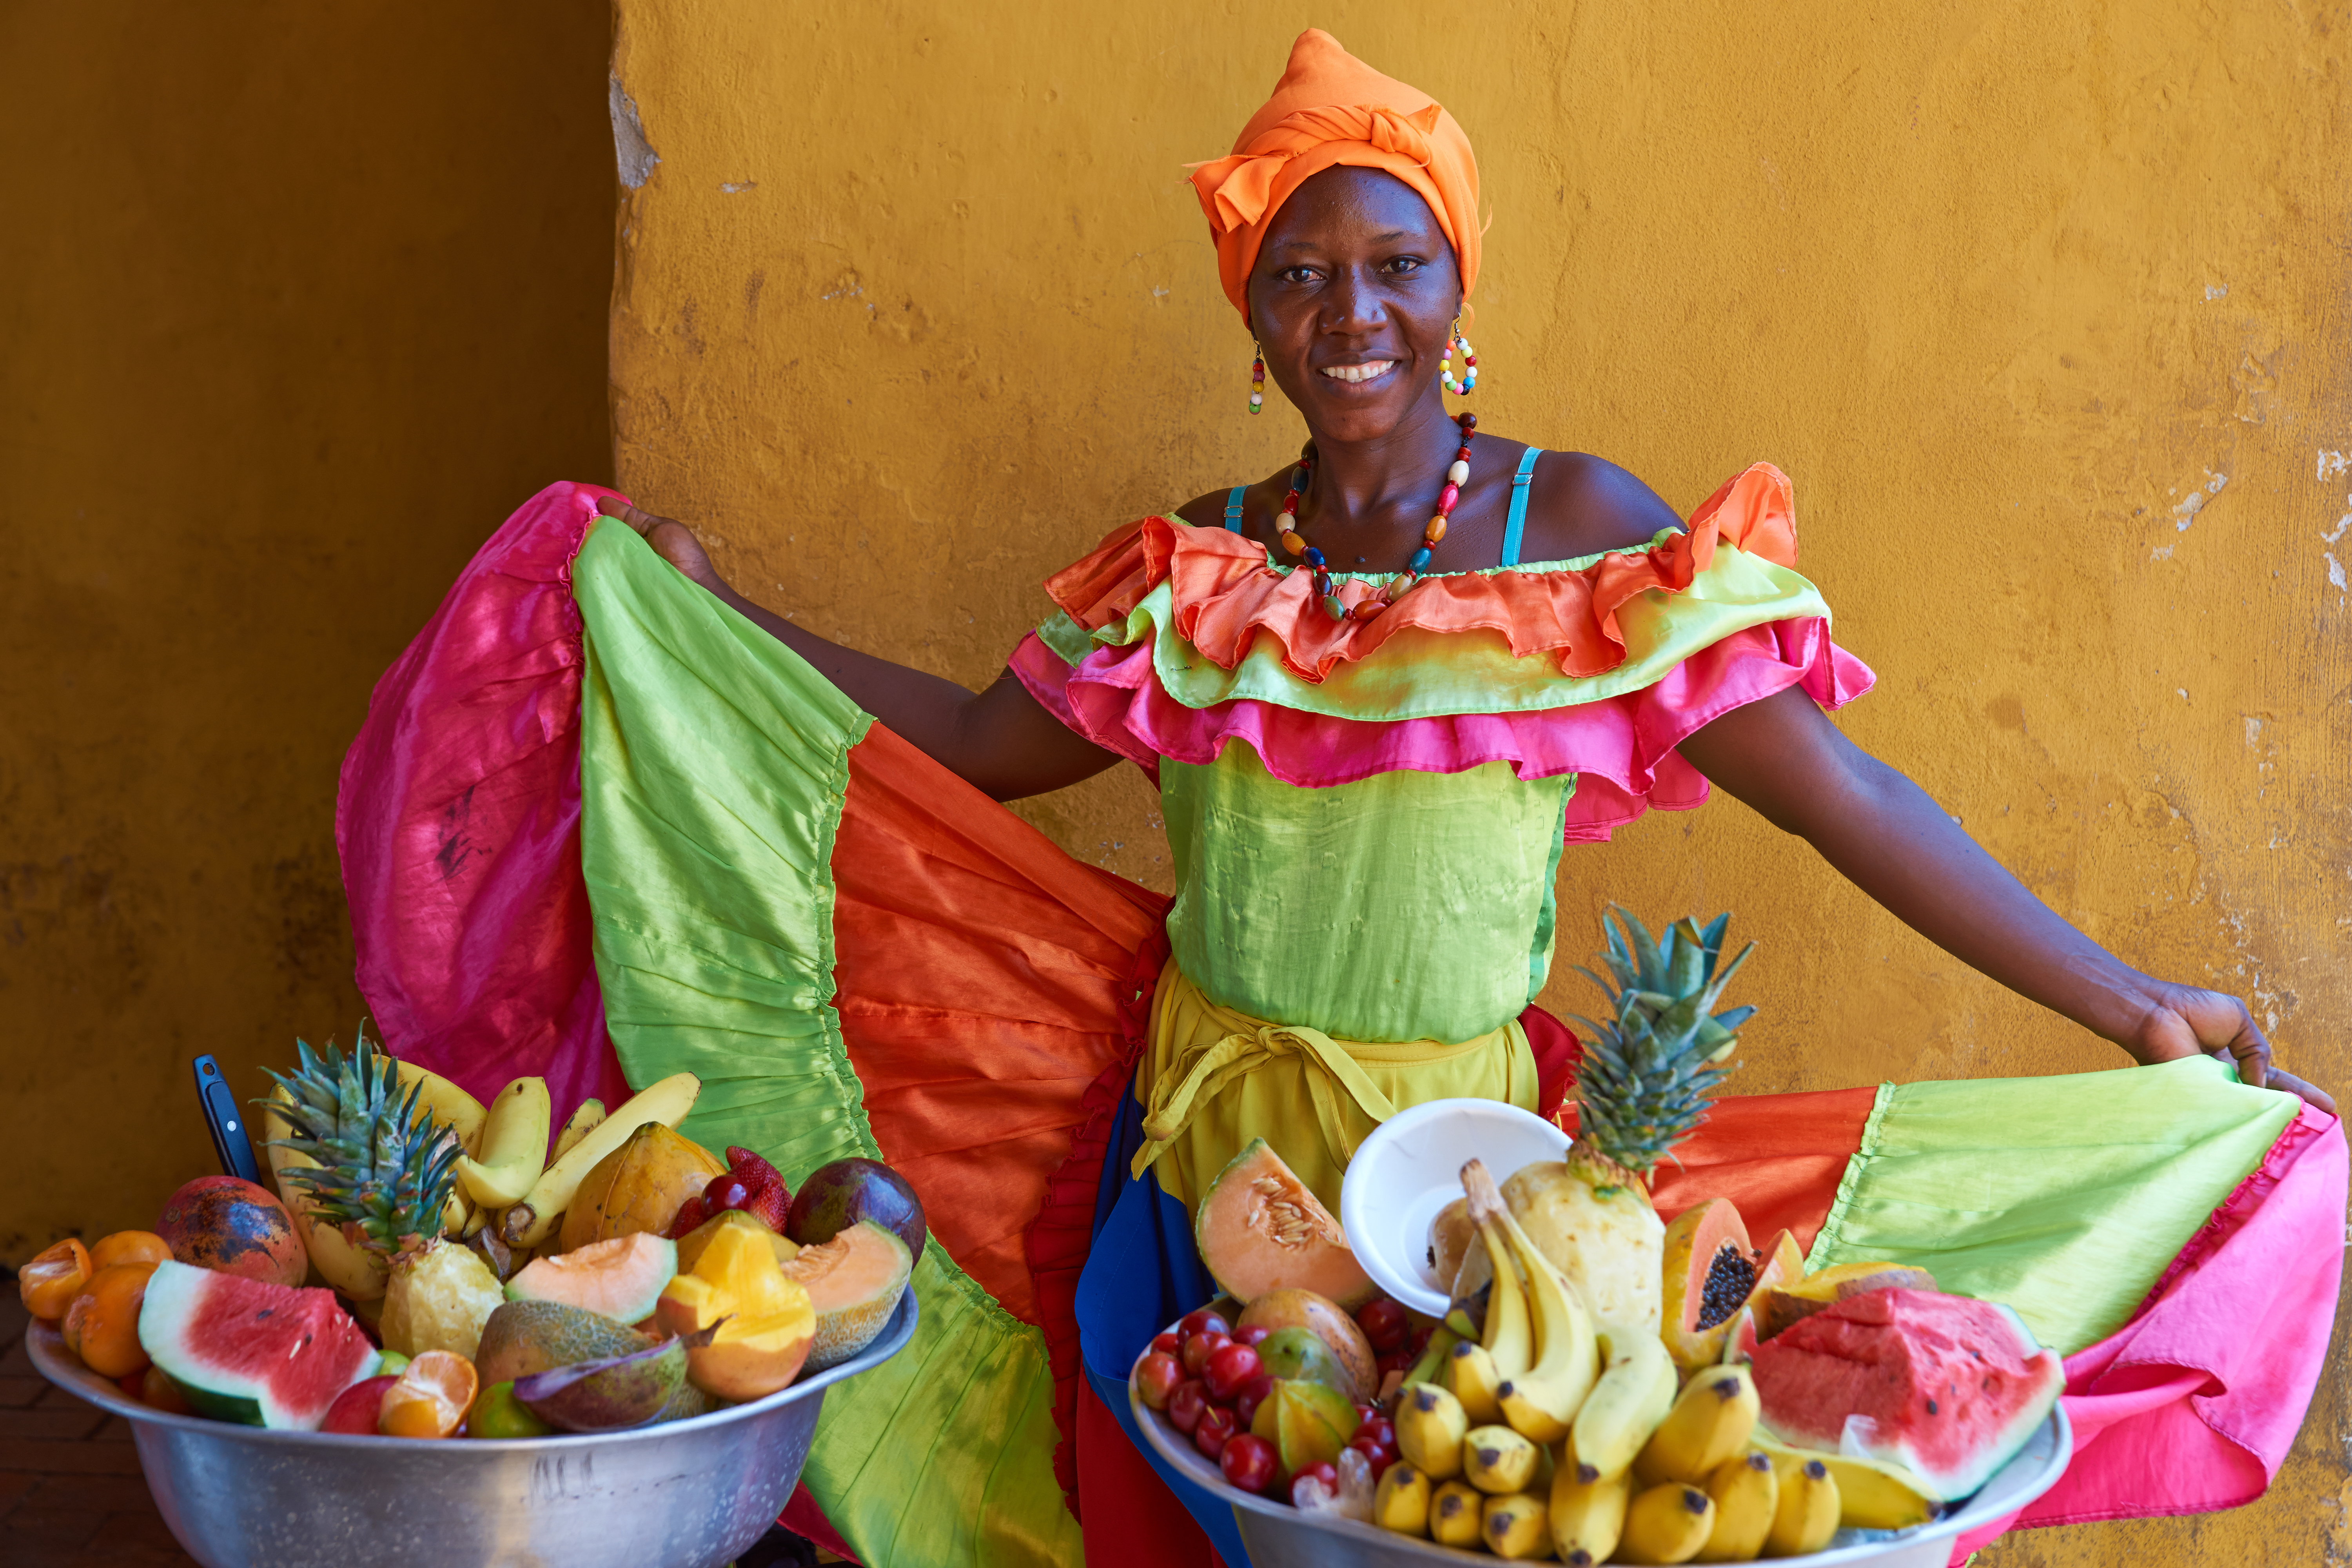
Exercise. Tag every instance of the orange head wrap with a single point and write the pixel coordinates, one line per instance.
(1331, 108)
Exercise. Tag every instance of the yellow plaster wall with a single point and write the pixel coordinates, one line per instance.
(2043, 305)
(296, 302)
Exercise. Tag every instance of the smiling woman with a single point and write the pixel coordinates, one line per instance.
(1379, 690)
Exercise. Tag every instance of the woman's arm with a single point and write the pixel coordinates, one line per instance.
(1001, 740)
(1783, 757)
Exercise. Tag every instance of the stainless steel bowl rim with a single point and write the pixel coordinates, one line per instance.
(60, 1366)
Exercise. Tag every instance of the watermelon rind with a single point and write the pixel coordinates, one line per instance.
(193, 1322)
(1957, 1473)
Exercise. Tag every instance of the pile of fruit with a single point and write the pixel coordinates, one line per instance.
(476, 1283)
(1604, 1387)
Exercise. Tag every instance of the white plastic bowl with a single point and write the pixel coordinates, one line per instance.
(1411, 1167)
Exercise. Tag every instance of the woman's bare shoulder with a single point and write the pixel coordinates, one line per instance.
(1581, 505)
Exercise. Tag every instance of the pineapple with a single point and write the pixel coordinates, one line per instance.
(383, 1173)
(1642, 1087)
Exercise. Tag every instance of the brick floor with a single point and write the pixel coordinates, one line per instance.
(70, 1493)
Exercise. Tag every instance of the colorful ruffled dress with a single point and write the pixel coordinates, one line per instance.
(601, 828)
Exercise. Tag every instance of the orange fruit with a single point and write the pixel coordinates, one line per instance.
(49, 1283)
(431, 1398)
(103, 1324)
(160, 1392)
(128, 1246)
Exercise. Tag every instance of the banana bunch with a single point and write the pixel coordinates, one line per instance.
(1547, 1434)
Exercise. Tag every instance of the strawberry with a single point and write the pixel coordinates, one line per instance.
(770, 1200)
(689, 1216)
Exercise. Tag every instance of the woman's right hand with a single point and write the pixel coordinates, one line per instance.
(672, 541)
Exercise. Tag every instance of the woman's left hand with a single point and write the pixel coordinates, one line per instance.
(2186, 1021)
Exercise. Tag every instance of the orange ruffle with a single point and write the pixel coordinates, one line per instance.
(1226, 594)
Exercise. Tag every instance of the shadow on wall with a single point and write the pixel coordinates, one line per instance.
(300, 301)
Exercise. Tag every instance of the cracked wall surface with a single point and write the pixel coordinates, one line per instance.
(2042, 306)
(296, 304)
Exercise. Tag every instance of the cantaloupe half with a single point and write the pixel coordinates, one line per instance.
(854, 1282)
(1259, 1228)
(621, 1278)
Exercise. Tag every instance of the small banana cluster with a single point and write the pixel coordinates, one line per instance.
(1548, 1434)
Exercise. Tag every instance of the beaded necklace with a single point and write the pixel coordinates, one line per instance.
(1457, 474)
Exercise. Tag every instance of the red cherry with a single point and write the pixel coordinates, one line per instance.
(1229, 1366)
(1250, 1396)
(1167, 1344)
(1201, 1323)
(1187, 1402)
(1156, 1377)
(1216, 1429)
(1376, 1428)
(1323, 1477)
(1249, 1463)
(726, 1191)
(1254, 1334)
(1385, 1324)
(1379, 1458)
(1197, 1349)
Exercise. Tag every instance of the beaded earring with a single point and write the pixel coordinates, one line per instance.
(1469, 363)
(1257, 378)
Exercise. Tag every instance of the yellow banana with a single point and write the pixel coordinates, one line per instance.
(1747, 1494)
(1872, 1493)
(1457, 1514)
(446, 1103)
(1401, 1502)
(1807, 1512)
(1515, 1527)
(1711, 1420)
(533, 1220)
(514, 1145)
(1430, 1427)
(583, 1121)
(1635, 1390)
(356, 1272)
(1509, 1335)
(1667, 1523)
(457, 1210)
(1587, 1510)
(1472, 1378)
(1543, 1400)
(1497, 1460)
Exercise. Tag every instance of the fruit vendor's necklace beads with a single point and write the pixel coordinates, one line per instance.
(1457, 474)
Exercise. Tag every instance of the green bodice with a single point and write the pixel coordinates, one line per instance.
(1406, 906)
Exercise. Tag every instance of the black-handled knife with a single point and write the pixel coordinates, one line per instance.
(231, 1144)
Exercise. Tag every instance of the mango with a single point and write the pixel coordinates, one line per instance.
(758, 1327)
(639, 1186)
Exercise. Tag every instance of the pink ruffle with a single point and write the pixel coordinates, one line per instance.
(1622, 748)
(458, 824)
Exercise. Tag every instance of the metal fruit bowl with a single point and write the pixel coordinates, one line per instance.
(685, 1494)
(1280, 1536)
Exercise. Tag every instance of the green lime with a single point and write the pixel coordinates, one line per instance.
(497, 1413)
(394, 1364)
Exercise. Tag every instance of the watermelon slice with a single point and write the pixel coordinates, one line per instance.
(248, 1350)
(1946, 1386)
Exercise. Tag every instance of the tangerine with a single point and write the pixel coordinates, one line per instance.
(431, 1398)
(128, 1246)
(49, 1283)
(103, 1324)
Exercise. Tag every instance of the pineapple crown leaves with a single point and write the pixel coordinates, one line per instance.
(383, 1164)
(1648, 1073)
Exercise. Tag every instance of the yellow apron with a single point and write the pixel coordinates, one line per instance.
(1211, 1078)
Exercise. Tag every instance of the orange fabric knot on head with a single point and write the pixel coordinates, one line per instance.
(1331, 108)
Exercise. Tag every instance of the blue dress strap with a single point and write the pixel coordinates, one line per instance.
(1517, 524)
(1233, 507)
